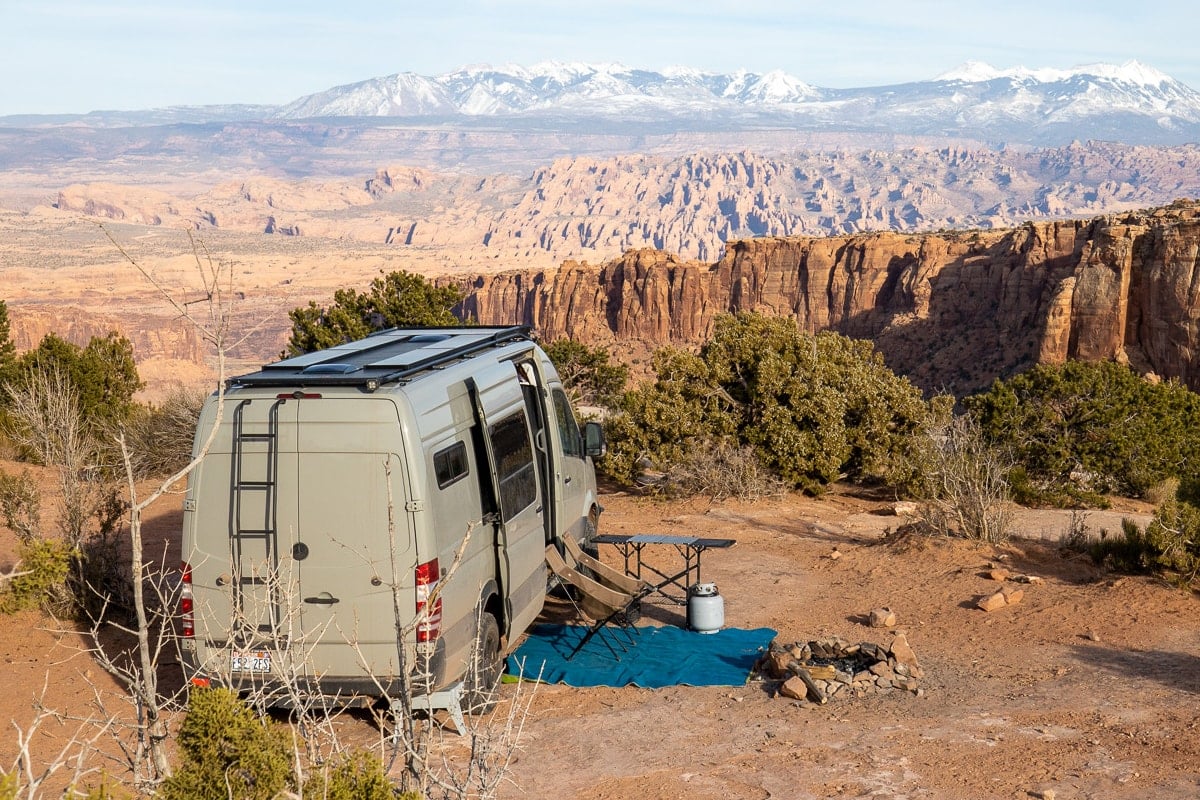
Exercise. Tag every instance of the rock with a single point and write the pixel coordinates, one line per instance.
(997, 574)
(835, 555)
(815, 692)
(794, 688)
(901, 653)
(881, 618)
(1093, 636)
(992, 601)
(1048, 794)
(871, 651)
(904, 509)
(1012, 595)
(775, 664)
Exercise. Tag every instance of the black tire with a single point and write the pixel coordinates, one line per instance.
(482, 689)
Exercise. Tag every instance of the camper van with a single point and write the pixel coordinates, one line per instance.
(409, 482)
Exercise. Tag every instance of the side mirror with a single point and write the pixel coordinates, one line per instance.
(593, 439)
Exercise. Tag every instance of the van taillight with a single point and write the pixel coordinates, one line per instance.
(427, 580)
(187, 618)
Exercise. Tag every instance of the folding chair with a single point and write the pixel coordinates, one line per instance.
(614, 579)
(602, 604)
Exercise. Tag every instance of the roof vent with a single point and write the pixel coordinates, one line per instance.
(330, 369)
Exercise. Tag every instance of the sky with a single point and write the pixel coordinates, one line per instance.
(74, 56)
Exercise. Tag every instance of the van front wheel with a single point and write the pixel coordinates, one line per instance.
(483, 678)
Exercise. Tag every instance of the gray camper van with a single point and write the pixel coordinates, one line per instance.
(337, 491)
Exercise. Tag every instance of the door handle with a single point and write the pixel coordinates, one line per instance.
(566, 480)
(323, 599)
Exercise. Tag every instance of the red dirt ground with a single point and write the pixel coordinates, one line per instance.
(1087, 688)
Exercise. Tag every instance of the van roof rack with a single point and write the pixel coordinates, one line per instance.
(383, 357)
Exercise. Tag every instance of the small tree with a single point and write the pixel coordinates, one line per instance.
(587, 372)
(397, 299)
(103, 374)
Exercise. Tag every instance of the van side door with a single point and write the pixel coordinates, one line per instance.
(516, 486)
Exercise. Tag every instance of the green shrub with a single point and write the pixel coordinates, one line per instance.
(45, 565)
(1130, 552)
(103, 374)
(1169, 544)
(1082, 430)
(227, 751)
(1174, 536)
(814, 408)
(358, 776)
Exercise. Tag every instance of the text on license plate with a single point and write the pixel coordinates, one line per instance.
(251, 661)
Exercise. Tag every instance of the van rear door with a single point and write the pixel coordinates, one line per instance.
(349, 482)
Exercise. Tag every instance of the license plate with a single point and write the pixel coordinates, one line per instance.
(253, 661)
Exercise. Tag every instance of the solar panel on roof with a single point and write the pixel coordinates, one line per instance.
(387, 355)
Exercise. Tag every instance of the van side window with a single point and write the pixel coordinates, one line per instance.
(568, 428)
(450, 464)
(514, 463)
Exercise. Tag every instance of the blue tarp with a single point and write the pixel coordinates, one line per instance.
(656, 656)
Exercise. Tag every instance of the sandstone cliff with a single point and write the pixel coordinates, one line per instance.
(950, 310)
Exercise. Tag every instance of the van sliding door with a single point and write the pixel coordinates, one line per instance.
(517, 487)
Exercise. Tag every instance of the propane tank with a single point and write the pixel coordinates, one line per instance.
(705, 608)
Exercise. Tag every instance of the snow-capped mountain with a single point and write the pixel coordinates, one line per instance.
(1130, 102)
(550, 87)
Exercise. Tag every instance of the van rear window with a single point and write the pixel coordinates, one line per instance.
(450, 464)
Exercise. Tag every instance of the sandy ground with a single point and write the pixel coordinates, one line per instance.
(1087, 688)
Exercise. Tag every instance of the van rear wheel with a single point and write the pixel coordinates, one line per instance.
(483, 677)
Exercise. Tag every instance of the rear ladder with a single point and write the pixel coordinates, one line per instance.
(253, 532)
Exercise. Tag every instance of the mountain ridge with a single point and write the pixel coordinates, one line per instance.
(1131, 102)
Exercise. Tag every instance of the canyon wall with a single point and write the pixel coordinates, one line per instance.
(950, 310)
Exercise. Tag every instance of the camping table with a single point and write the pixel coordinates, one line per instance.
(688, 547)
